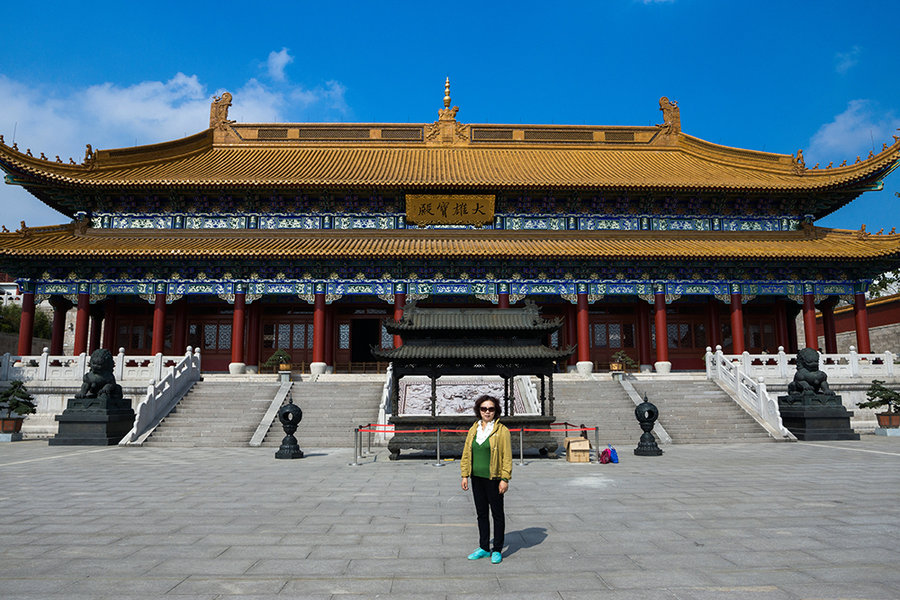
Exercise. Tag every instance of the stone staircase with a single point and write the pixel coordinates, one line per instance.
(697, 411)
(217, 414)
(332, 408)
(596, 403)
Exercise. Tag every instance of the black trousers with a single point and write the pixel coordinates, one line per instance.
(487, 496)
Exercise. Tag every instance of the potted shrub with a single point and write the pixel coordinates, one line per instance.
(879, 396)
(620, 361)
(279, 361)
(15, 400)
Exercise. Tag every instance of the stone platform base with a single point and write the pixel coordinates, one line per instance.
(92, 428)
(891, 432)
(817, 423)
(452, 443)
(11, 437)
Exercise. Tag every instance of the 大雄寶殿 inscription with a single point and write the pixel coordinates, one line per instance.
(450, 209)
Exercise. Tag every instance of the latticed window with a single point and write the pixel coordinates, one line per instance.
(287, 336)
(612, 335)
(344, 336)
(224, 341)
(387, 340)
(213, 337)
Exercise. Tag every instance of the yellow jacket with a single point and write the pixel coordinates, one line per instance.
(501, 452)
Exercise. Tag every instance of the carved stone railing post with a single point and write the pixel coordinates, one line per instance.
(854, 362)
(782, 362)
(157, 370)
(745, 361)
(761, 394)
(708, 359)
(44, 365)
(889, 362)
(5, 361)
(82, 364)
(120, 364)
(719, 359)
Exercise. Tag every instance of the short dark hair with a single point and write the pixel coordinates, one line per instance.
(484, 398)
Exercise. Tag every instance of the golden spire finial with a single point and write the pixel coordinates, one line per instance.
(447, 93)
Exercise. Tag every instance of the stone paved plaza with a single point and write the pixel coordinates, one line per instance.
(767, 521)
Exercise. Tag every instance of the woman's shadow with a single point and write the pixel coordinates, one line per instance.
(524, 538)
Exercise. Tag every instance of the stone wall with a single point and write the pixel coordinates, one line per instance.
(9, 343)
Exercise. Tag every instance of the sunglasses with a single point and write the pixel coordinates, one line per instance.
(488, 409)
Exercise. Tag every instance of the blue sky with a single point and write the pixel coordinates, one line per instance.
(773, 76)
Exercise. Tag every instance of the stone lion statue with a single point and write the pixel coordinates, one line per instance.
(808, 378)
(99, 382)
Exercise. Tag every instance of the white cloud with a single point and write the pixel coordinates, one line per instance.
(853, 132)
(844, 61)
(107, 115)
(277, 62)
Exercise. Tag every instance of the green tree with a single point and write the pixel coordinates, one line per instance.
(885, 284)
(11, 316)
(16, 400)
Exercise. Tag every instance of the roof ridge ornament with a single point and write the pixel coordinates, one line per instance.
(218, 111)
(799, 162)
(446, 130)
(447, 113)
(89, 156)
(671, 116)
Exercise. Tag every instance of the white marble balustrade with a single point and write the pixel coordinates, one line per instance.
(782, 366)
(65, 369)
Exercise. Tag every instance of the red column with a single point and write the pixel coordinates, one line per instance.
(583, 334)
(237, 327)
(26, 323)
(829, 331)
(862, 324)
(571, 330)
(329, 334)
(318, 355)
(712, 320)
(253, 335)
(158, 336)
(109, 325)
(644, 356)
(737, 324)
(82, 317)
(782, 337)
(96, 328)
(503, 300)
(58, 333)
(399, 303)
(809, 322)
(662, 328)
(179, 335)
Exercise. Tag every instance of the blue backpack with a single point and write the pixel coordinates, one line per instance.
(613, 455)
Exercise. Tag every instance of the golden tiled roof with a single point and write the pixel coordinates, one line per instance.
(242, 159)
(813, 243)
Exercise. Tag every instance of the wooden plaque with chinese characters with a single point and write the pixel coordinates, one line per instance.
(450, 209)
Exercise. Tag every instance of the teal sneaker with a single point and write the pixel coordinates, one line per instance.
(479, 554)
(496, 558)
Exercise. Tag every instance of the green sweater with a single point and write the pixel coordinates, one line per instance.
(481, 459)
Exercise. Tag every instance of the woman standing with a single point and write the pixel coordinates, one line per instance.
(487, 459)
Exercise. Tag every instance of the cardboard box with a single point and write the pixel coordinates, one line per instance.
(578, 449)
